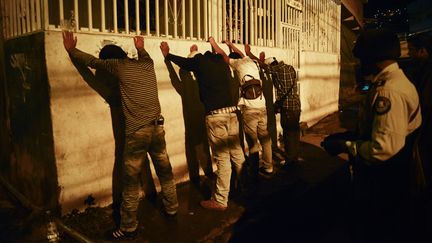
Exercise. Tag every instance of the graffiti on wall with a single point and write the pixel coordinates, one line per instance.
(19, 64)
(32, 156)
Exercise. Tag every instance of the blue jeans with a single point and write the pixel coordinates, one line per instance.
(151, 139)
(223, 134)
(255, 128)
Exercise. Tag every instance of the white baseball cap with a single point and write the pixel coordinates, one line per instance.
(270, 60)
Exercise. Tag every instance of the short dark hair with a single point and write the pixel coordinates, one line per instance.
(234, 55)
(421, 41)
(377, 45)
(112, 52)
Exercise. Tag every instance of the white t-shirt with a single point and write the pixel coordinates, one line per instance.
(246, 66)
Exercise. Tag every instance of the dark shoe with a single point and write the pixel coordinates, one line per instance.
(212, 205)
(196, 181)
(119, 234)
(234, 193)
(293, 163)
(277, 155)
(289, 165)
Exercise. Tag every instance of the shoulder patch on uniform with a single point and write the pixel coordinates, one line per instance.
(380, 83)
(382, 105)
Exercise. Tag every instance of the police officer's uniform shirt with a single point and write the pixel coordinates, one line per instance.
(246, 66)
(391, 114)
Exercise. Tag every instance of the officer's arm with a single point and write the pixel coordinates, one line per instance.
(389, 128)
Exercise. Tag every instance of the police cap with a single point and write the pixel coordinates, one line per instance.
(377, 45)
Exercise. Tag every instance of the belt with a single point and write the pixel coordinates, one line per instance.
(224, 110)
(158, 121)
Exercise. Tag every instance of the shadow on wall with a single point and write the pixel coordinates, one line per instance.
(196, 141)
(267, 86)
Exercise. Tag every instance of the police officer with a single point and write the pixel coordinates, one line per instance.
(381, 147)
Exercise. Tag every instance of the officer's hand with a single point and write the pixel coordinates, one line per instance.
(334, 145)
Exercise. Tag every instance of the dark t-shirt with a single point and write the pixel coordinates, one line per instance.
(213, 76)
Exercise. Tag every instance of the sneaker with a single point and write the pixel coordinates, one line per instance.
(266, 171)
(169, 213)
(212, 205)
(277, 155)
(118, 234)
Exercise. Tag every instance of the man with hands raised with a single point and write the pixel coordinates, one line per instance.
(144, 127)
(213, 77)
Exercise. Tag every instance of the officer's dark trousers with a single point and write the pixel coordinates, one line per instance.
(381, 199)
(290, 122)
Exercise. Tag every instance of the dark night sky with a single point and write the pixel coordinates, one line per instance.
(393, 20)
(373, 5)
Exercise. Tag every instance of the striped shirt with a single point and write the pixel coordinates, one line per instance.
(138, 86)
(284, 77)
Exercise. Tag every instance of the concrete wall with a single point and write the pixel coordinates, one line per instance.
(319, 85)
(30, 165)
(71, 141)
(84, 146)
(348, 61)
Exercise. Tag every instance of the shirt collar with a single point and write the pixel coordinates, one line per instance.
(277, 66)
(383, 74)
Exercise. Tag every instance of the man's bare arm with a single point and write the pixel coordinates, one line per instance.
(69, 42)
(218, 50)
(249, 53)
(234, 48)
(139, 45)
(253, 57)
(184, 63)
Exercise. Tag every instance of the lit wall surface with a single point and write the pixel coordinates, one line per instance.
(81, 121)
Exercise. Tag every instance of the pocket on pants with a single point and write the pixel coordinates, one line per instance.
(218, 130)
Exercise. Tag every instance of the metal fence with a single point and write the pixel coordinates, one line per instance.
(320, 26)
(21, 17)
(292, 24)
